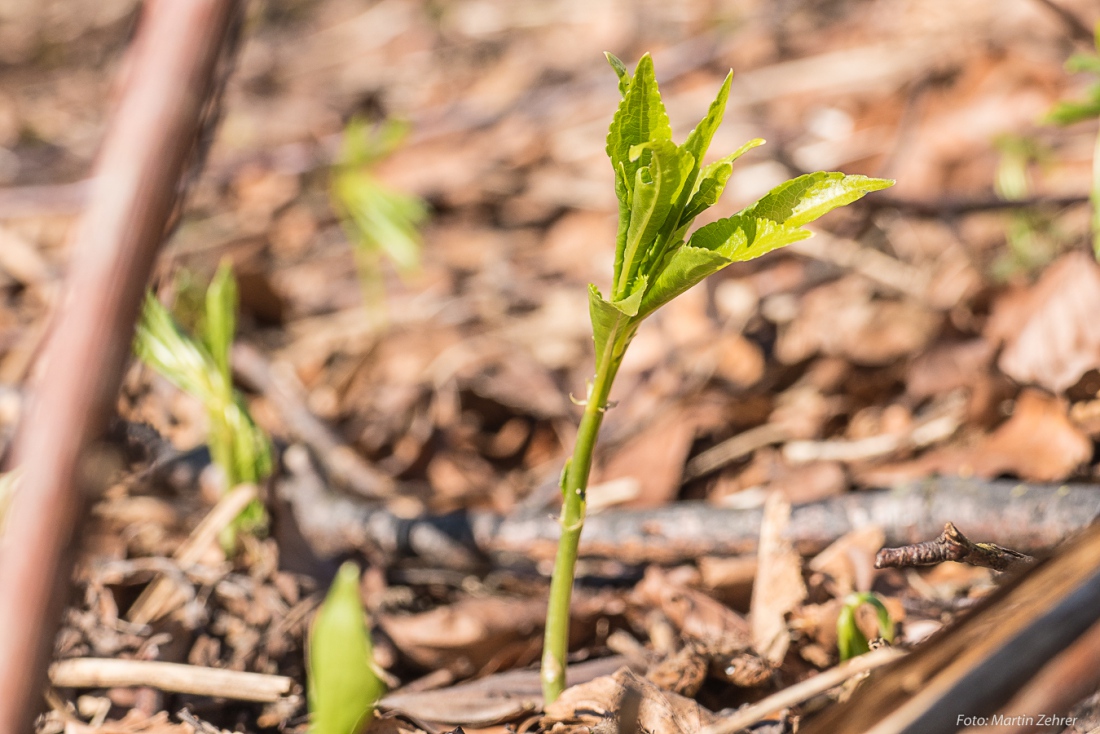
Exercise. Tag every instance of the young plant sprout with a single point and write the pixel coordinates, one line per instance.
(343, 686)
(850, 640)
(662, 187)
(378, 220)
(1067, 113)
(200, 367)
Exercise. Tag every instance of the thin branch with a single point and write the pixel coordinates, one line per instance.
(953, 207)
(952, 545)
(167, 81)
(171, 677)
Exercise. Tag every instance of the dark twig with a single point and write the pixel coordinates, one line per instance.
(1032, 632)
(949, 207)
(168, 78)
(952, 545)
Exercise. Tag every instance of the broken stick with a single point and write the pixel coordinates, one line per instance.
(952, 545)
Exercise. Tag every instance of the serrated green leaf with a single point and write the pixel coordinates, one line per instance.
(640, 118)
(712, 182)
(620, 71)
(657, 187)
(686, 267)
(698, 140)
(802, 200)
(744, 237)
(343, 687)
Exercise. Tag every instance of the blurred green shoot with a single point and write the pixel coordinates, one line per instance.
(379, 221)
(850, 640)
(8, 483)
(343, 686)
(1067, 113)
(662, 187)
(1033, 239)
(200, 367)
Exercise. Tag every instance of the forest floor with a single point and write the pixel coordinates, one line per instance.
(943, 328)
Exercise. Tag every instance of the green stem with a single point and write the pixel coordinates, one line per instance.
(575, 485)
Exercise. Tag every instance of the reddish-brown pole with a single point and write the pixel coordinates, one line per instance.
(168, 76)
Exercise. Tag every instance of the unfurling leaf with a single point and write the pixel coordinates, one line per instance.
(343, 687)
(663, 187)
(850, 640)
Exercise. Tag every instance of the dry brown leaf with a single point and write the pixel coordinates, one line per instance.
(655, 458)
(595, 706)
(697, 616)
(779, 587)
(467, 635)
(850, 560)
(843, 319)
(489, 700)
(1057, 340)
(1038, 443)
(948, 367)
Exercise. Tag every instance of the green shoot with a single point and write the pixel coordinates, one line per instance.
(662, 187)
(343, 686)
(850, 640)
(200, 367)
(379, 221)
(1067, 113)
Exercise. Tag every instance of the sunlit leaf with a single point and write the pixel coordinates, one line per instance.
(641, 118)
(343, 687)
(712, 182)
(620, 70)
(802, 200)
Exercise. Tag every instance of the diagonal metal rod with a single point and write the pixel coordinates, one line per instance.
(163, 94)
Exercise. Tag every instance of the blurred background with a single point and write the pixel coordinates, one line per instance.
(413, 196)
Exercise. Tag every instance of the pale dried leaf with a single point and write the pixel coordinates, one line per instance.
(1058, 340)
(594, 706)
(779, 587)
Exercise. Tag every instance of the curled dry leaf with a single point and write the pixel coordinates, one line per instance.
(779, 587)
(698, 617)
(850, 560)
(1051, 334)
(469, 634)
(595, 706)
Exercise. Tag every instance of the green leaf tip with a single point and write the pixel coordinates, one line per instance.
(343, 686)
(620, 71)
(662, 187)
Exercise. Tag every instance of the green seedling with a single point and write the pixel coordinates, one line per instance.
(200, 367)
(379, 221)
(1067, 113)
(662, 187)
(343, 686)
(1032, 236)
(850, 640)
